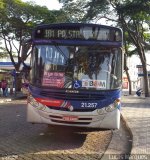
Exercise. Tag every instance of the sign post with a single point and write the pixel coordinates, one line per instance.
(14, 75)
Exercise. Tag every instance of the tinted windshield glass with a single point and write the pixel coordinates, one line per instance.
(76, 67)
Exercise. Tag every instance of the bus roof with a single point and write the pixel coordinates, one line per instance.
(75, 25)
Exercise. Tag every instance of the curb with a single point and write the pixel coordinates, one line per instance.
(111, 150)
(130, 132)
(127, 127)
(5, 100)
(19, 98)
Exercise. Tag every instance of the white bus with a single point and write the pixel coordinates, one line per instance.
(76, 75)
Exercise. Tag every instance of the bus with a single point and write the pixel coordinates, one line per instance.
(76, 75)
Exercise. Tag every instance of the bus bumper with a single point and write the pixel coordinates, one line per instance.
(109, 120)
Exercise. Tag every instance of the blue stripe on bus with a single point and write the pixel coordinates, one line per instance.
(110, 97)
(79, 42)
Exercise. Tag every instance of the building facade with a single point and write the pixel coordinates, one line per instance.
(136, 74)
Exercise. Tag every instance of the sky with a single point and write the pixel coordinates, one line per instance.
(50, 4)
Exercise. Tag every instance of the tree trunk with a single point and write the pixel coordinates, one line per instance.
(129, 80)
(144, 65)
(127, 73)
(146, 90)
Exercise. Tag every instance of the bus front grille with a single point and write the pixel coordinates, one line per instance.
(72, 96)
(75, 110)
(67, 122)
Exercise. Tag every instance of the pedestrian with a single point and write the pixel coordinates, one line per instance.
(4, 87)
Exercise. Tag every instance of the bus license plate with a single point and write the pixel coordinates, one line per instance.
(70, 118)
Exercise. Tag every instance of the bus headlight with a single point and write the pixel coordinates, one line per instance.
(32, 101)
(36, 104)
(101, 111)
(41, 107)
(110, 108)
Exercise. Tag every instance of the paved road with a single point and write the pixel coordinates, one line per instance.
(20, 140)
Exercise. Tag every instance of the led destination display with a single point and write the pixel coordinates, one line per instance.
(79, 33)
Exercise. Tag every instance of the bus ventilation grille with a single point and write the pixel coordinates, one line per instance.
(72, 96)
(75, 110)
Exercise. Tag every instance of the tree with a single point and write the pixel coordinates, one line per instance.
(131, 15)
(84, 11)
(17, 19)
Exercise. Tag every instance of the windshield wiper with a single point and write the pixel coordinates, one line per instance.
(60, 50)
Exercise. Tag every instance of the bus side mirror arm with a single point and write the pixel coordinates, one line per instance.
(24, 66)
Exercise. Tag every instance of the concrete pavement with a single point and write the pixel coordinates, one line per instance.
(135, 113)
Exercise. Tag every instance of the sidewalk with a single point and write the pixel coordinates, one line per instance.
(135, 113)
(19, 95)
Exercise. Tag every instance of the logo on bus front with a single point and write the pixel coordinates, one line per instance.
(94, 83)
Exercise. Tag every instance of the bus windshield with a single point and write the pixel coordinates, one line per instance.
(76, 67)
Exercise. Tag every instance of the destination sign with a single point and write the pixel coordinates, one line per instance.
(67, 34)
(80, 33)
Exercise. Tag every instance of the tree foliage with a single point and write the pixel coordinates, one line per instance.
(17, 19)
(84, 11)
